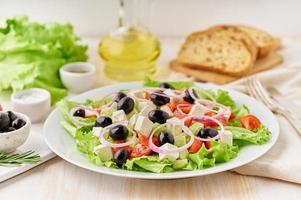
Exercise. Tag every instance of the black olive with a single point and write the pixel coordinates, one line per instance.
(166, 85)
(121, 156)
(126, 104)
(119, 132)
(207, 132)
(103, 121)
(165, 137)
(159, 99)
(18, 123)
(4, 121)
(187, 96)
(11, 116)
(158, 116)
(80, 113)
(10, 129)
(119, 96)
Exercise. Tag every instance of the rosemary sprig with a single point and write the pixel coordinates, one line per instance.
(19, 158)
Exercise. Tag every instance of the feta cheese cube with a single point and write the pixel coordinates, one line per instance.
(104, 152)
(172, 94)
(169, 156)
(118, 116)
(226, 137)
(169, 92)
(113, 107)
(166, 109)
(197, 110)
(174, 125)
(136, 94)
(143, 104)
(143, 125)
(133, 120)
(146, 110)
(97, 131)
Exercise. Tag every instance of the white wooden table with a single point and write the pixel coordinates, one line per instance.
(57, 179)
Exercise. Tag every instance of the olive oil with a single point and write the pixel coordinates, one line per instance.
(130, 53)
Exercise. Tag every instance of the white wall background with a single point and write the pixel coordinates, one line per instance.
(168, 17)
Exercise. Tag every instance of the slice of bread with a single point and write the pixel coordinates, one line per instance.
(264, 41)
(237, 34)
(216, 52)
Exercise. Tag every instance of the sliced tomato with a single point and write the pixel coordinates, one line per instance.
(210, 124)
(195, 147)
(232, 116)
(156, 141)
(179, 115)
(143, 139)
(147, 95)
(188, 122)
(172, 105)
(185, 108)
(210, 114)
(250, 122)
(140, 150)
(214, 124)
(208, 144)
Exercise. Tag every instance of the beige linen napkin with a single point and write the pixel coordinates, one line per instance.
(283, 160)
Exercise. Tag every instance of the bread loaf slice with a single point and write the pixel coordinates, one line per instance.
(237, 34)
(264, 41)
(216, 52)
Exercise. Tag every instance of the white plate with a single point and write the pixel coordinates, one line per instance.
(64, 146)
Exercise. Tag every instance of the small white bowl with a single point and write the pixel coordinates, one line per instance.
(10, 141)
(34, 102)
(78, 76)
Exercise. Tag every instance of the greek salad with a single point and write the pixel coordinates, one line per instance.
(162, 127)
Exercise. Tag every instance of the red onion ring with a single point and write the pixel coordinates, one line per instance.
(207, 119)
(107, 143)
(157, 149)
(226, 112)
(78, 122)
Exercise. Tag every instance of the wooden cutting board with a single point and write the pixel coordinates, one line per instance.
(207, 76)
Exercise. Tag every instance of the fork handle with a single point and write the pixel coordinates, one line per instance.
(293, 121)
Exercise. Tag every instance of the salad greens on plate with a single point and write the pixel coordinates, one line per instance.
(162, 127)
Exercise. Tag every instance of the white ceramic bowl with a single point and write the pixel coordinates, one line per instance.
(36, 107)
(10, 141)
(78, 76)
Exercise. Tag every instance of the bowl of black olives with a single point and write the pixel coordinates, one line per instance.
(14, 130)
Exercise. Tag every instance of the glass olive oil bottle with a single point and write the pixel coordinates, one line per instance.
(131, 51)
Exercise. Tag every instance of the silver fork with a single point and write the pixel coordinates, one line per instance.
(256, 90)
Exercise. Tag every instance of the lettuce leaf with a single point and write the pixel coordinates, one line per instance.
(219, 96)
(149, 163)
(64, 107)
(238, 113)
(261, 136)
(85, 140)
(31, 55)
(218, 153)
(178, 85)
(224, 98)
